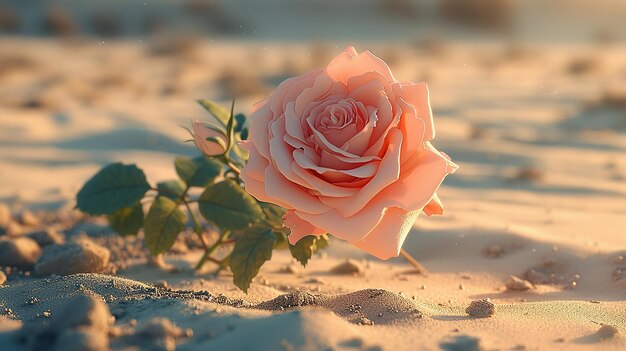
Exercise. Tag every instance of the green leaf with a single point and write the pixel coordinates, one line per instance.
(172, 189)
(322, 242)
(163, 224)
(127, 220)
(306, 247)
(114, 187)
(273, 214)
(220, 114)
(244, 134)
(200, 171)
(282, 243)
(228, 206)
(250, 252)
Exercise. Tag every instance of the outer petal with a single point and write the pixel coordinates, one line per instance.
(257, 189)
(299, 227)
(351, 229)
(412, 193)
(434, 207)
(418, 96)
(386, 240)
(256, 165)
(350, 64)
(259, 128)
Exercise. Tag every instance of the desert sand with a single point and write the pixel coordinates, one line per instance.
(538, 130)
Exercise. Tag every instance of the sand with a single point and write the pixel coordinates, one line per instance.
(540, 136)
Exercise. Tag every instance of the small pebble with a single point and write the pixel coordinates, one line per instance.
(19, 252)
(517, 284)
(162, 284)
(14, 229)
(46, 237)
(28, 219)
(481, 308)
(81, 256)
(348, 267)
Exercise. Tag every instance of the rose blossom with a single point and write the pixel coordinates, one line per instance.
(346, 150)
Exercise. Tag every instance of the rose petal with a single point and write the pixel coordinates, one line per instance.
(321, 86)
(299, 227)
(321, 187)
(418, 96)
(351, 229)
(259, 129)
(361, 140)
(282, 153)
(417, 185)
(413, 129)
(386, 240)
(278, 187)
(350, 64)
(388, 173)
(434, 207)
(365, 171)
(341, 162)
(289, 89)
(257, 190)
(256, 165)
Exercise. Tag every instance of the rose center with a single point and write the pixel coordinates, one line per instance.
(341, 121)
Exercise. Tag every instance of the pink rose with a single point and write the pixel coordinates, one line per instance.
(346, 150)
(208, 139)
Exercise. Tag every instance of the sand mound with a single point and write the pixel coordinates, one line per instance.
(369, 306)
(329, 325)
(30, 299)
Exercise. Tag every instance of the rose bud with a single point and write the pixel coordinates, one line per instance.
(208, 139)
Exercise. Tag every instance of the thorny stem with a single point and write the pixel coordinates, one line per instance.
(418, 266)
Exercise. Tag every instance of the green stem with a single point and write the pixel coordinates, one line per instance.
(234, 168)
(230, 164)
(196, 226)
(211, 249)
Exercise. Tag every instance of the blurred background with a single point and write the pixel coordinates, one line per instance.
(520, 88)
